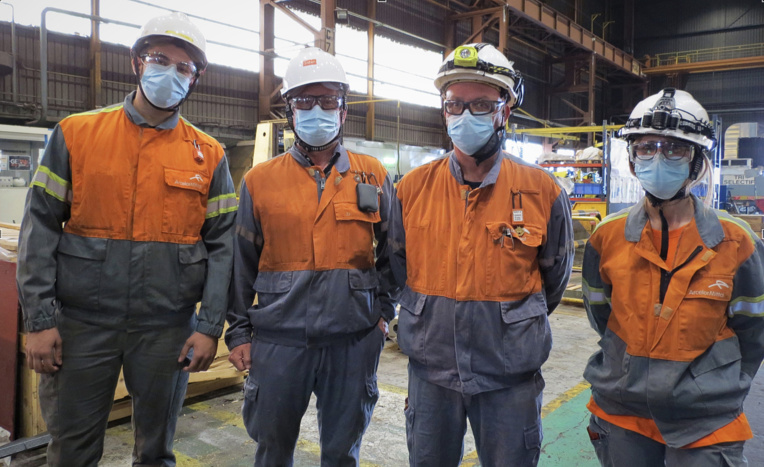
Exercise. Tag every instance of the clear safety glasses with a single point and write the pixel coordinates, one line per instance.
(670, 150)
(328, 102)
(184, 68)
(477, 107)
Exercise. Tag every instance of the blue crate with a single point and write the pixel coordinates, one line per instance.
(581, 189)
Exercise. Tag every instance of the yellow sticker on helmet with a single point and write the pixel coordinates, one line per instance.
(181, 35)
(466, 56)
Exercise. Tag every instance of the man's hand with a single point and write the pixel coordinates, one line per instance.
(382, 324)
(240, 357)
(204, 347)
(44, 351)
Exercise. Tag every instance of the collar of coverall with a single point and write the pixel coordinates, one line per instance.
(138, 119)
(490, 178)
(342, 164)
(709, 225)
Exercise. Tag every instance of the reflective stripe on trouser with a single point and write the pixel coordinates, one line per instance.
(76, 400)
(618, 447)
(278, 390)
(506, 424)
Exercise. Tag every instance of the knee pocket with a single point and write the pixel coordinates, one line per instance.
(533, 436)
(249, 408)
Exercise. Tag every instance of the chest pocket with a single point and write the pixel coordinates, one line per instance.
(511, 257)
(184, 201)
(355, 234)
(703, 312)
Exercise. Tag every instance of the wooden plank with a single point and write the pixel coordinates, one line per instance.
(8, 225)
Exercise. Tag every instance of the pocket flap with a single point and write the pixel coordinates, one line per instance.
(348, 211)
(721, 353)
(717, 287)
(413, 302)
(497, 229)
(190, 254)
(273, 282)
(250, 388)
(363, 279)
(528, 234)
(519, 310)
(187, 179)
(83, 247)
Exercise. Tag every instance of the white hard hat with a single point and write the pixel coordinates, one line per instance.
(481, 63)
(671, 113)
(313, 65)
(175, 26)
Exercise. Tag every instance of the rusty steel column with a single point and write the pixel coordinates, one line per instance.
(592, 89)
(266, 60)
(371, 12)
(94, 100)
(327, 26)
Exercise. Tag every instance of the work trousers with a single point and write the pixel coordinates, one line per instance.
(279, 386)
(618, 447)
(506, 424)
(77, 399)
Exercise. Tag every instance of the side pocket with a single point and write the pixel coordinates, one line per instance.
(533, 437)
(411, 325)
(526, 334)
(193, 272)
(78, 270)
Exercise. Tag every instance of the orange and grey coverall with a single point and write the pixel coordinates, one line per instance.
(680, 344)
(482, 269)
(127, 227)
(306, 250)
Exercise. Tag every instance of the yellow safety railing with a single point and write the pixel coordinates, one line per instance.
(704, 55)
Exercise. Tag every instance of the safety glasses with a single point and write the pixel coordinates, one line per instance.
(477, 107)
(670, 150)
(328, 102)
(157, 58)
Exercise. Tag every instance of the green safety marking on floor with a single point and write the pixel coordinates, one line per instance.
(566, 442)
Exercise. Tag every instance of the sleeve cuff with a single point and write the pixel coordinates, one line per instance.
(40, 323)
(235, 341)
(209, 329)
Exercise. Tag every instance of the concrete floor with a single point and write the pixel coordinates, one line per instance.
(211, 433)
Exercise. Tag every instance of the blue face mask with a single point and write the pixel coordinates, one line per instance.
(317, 126)
(661, 178)
(468, 132)
(163, 86)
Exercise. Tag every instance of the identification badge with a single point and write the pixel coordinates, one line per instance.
(517, 215)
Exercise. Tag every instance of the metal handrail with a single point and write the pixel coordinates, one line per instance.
(703, 55)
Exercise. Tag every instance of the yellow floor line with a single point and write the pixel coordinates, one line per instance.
(393, 389)
(181, 460)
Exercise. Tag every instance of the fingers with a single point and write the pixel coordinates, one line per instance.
(200, 362)
(58, 356)
(241, 358)
(184, 351)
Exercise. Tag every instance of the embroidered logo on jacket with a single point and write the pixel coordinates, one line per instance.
(720, 283)
(199, 179)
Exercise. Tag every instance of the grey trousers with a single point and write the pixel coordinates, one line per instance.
(277, 393)
(76, 400)
(618, 447)
(506, 424)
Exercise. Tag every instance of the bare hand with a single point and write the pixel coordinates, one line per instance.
(44, 351)
(382, 324)
(240, 357)
(204, 347)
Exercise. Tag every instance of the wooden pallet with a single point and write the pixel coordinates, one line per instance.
(221, 374)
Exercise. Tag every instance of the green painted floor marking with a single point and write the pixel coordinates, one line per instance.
(566, 442)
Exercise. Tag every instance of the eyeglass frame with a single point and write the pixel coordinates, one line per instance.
(190, 65)
(662, 150)
(495, 105)
(316, 100)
